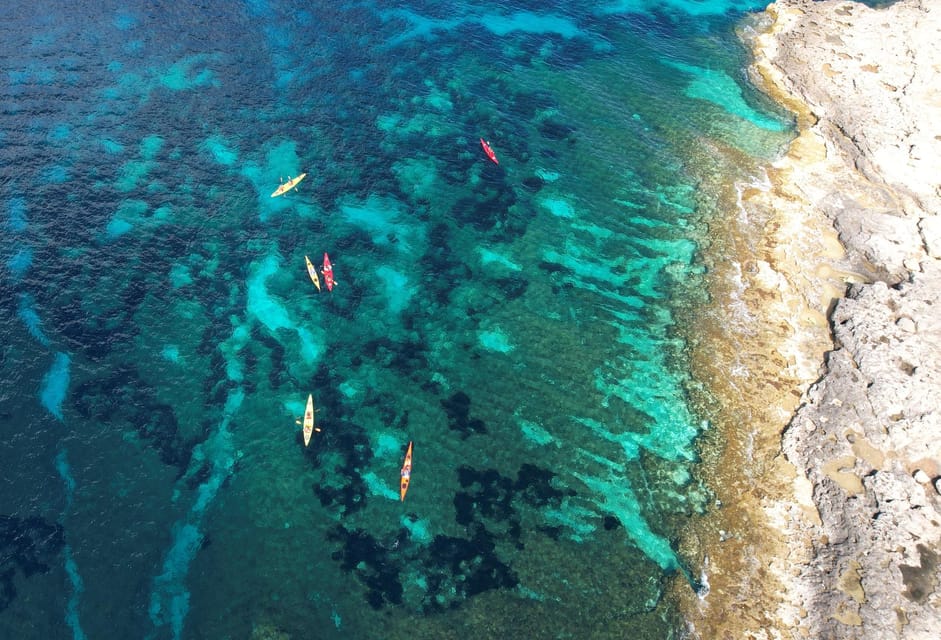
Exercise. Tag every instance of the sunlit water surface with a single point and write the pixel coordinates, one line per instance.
(518, 322)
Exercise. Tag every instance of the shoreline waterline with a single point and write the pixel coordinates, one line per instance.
(761, 341)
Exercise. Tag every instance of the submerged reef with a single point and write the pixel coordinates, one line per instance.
(123, 398)
(27, 547)
(451, 569)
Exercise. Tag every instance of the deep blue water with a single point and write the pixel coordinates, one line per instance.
(518, 323)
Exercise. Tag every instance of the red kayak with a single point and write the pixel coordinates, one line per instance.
(327, 272)
(489, 151)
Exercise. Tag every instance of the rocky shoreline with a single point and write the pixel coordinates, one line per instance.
(834, 528)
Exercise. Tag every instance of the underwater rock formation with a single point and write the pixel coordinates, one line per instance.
(27, 546)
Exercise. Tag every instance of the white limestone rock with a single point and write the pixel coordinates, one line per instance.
(930, 228)
(867, 426)
(872, 80)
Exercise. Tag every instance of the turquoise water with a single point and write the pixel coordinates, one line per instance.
(518, 323)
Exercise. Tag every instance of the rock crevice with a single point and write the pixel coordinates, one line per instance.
(867, 436)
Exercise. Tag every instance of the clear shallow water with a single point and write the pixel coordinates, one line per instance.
(518, 323)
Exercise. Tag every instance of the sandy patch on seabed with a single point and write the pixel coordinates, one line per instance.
(760, 343)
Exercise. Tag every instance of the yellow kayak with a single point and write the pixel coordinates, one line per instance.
(287, 186)
(312, 272)
(309, 420)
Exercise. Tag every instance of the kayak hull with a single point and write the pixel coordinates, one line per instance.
(287, 186)
(309, 420)
(312, 272)
(489, 151)
(328, 272)
(406, 474)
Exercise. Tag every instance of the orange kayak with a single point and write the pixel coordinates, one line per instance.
(406, 473)
(312, 272)
(327, 272)
(489, 151)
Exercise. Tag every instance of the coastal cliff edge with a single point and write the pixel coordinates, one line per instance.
(828, 518)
